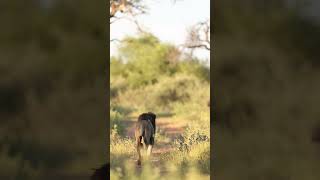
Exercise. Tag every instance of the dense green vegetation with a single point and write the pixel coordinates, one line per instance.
(146, 66)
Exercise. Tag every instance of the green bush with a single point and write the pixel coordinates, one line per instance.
(192, 149)
(115, 121)
(145, 59)
(167, 95)
(194, 67)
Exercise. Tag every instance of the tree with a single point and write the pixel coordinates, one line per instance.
(199, 36)
(127, 8)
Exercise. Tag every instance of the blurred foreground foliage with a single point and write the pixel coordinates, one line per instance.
(266, 91)
(52, 86)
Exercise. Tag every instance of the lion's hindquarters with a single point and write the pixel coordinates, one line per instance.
(144, 133)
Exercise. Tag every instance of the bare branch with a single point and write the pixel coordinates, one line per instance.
(124, 6)
(115, 18)
(117, 40)
(199, 46)
(135, 21)
(199, 36)
(130, 9)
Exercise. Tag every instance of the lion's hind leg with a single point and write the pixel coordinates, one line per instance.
(138, 146)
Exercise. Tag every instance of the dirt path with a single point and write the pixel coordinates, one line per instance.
(168, 129)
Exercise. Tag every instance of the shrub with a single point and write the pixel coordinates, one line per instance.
(163, 95)
(192, 149)
(195, 108)
(117, 84)
(145, 58)
(196, 68)
(115, 121)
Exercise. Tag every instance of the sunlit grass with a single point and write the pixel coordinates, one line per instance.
(121, 149)
(153, 173)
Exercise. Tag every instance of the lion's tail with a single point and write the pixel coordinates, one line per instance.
(141, 134)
